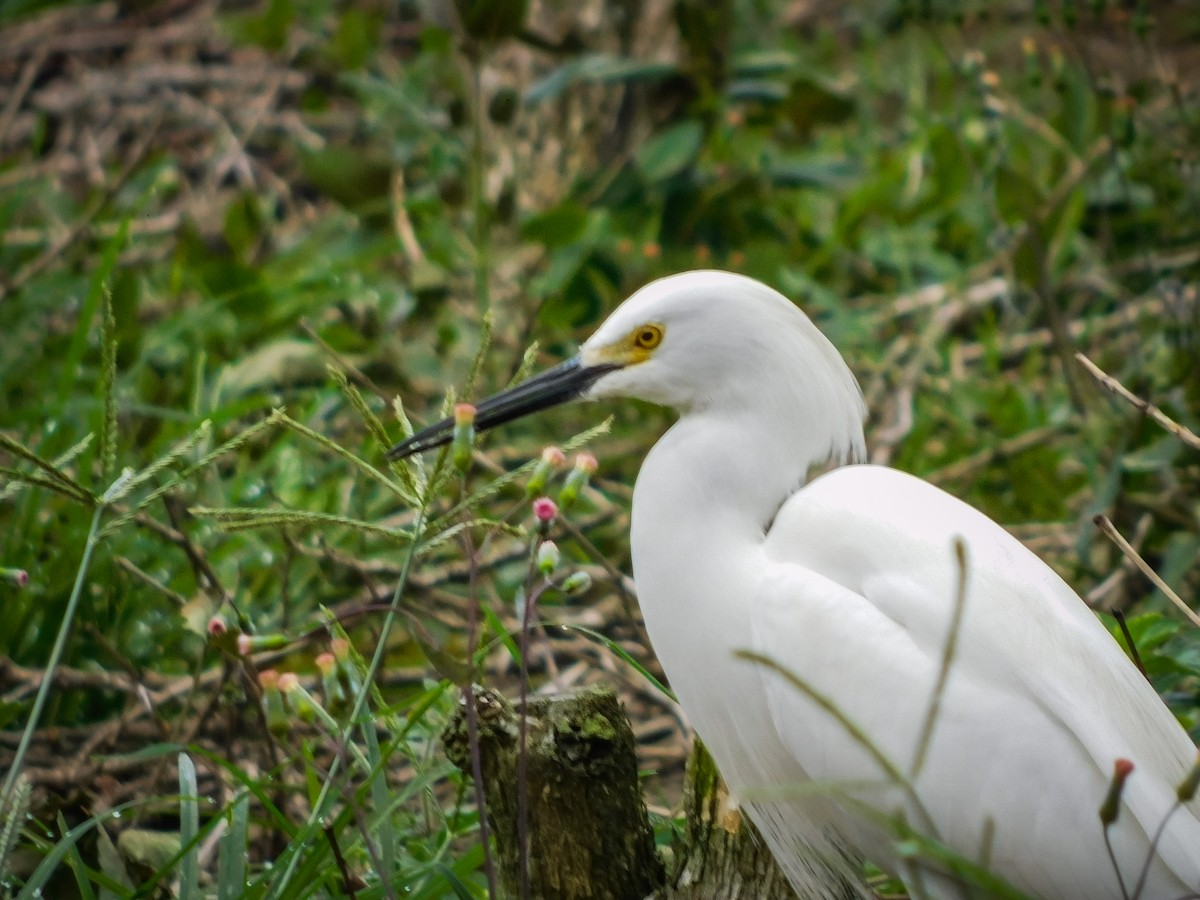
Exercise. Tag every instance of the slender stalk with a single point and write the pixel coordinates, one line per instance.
(1110, 531)
(1116, 868)
(478, 192)
(531, 597)
(1153, 850)
(948, 653)
(489, 867)
(60, 645)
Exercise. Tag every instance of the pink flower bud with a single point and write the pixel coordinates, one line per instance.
(585, 465)
(326, 663)
(18, 577)
(553, 457)
(464, 414)
(463, 441)
(288, 682)
(216, 626)
(277, 720)
(545, 509)
(1111, 807)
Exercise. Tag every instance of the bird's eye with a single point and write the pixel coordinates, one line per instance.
(647, 337)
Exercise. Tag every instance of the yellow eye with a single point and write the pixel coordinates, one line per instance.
(648, 336)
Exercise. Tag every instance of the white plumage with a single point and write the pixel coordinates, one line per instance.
(849, 584)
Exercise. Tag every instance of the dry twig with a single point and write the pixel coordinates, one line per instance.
(1110, 531)
(1111, 384)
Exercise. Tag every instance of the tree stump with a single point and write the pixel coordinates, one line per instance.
(589, 836)
(722, 856)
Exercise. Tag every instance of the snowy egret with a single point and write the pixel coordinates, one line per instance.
(848, 723)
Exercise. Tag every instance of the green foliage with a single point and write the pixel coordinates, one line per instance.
(192, 419)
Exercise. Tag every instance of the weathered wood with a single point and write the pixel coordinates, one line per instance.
(589, 837)
(722, 856)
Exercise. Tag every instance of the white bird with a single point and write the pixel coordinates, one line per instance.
(843, 590)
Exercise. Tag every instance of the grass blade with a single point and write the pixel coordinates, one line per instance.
(189, 826)
(231, 857)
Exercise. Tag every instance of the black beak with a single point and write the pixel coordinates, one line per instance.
(564, 382)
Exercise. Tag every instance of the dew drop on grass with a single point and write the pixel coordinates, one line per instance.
(116, 814)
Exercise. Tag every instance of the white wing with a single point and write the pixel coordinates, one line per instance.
(1039, 704)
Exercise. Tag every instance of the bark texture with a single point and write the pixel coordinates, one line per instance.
(589, 836)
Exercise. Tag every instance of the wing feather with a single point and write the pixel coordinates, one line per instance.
(1039, 703)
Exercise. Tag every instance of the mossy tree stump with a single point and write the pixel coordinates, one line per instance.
(589, 836)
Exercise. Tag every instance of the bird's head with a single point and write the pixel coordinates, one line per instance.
(694, 341)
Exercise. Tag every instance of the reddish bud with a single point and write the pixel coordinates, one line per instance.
(1111, 807)
(288, 682)
(545, 509)
(18, 577)
(464, 414)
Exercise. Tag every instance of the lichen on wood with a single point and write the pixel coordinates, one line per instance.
(589, 835)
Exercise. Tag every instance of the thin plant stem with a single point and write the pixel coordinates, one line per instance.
(478, 197)
(1116, 869)
(1110, 531)
(1129, 642)
(531, 597)
(60, 645)
(472, 714)
(948, 653)
(1151, 852)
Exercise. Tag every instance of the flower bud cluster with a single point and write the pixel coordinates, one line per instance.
(552, 460)
(284, 695)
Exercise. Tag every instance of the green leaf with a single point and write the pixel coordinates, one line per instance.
(356, 38)
(1017, 198)
(189, 826)
(231, 860)
(600, 68)
(671, 152)
(556, 227)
